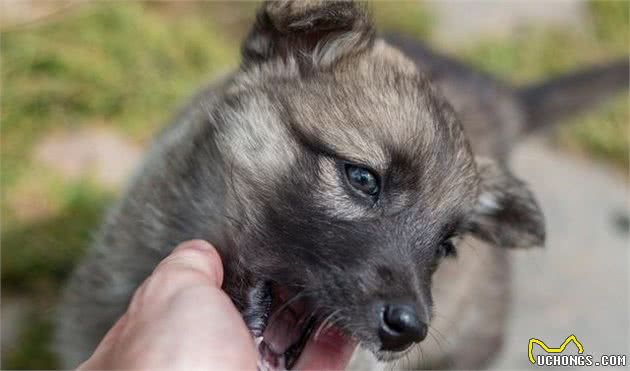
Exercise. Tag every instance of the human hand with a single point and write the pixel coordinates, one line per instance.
(179, 318)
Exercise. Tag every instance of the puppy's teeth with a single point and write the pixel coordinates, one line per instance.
(258, 340)
(267, 359)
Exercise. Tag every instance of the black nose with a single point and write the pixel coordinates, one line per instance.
(400, 327)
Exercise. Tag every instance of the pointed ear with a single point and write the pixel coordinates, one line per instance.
(316, 33)
(506, 213)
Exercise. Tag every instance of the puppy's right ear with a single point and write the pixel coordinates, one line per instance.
(507, 213)
(315, 33)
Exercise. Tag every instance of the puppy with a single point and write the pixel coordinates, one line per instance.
(335, 182)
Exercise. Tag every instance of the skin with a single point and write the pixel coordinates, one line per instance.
(183, 298)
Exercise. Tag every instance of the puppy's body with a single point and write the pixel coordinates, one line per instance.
(256, 165)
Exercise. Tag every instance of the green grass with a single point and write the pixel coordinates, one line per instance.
(113, 63)
(127, 66)
(37, 256)
(605, 134)
(540, 53)
(33, 351)
(409, 17)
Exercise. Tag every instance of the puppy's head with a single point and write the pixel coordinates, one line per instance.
(349, 180)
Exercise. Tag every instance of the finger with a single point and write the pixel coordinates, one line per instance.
(100, 356)
(195, 256)
(193, 263)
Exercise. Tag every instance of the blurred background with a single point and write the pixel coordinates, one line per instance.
(85, 84)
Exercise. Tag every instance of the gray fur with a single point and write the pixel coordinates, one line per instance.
(253, 163)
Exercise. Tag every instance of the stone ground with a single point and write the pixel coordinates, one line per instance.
(578, 284)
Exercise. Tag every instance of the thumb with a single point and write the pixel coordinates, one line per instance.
(190, 260)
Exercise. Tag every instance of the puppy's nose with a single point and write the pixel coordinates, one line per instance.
(400, 327)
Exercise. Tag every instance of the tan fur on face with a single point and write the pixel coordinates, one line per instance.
(362, 109)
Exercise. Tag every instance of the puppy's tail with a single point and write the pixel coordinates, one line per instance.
(553, 100)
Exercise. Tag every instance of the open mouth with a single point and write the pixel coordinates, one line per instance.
(287, 328)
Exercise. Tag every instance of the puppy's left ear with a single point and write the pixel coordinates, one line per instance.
(314, 33)
(506, 213)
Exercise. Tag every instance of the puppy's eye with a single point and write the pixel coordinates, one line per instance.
(447, 248)
(362, 179)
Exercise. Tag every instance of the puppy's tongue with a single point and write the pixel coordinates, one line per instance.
(330, 350)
